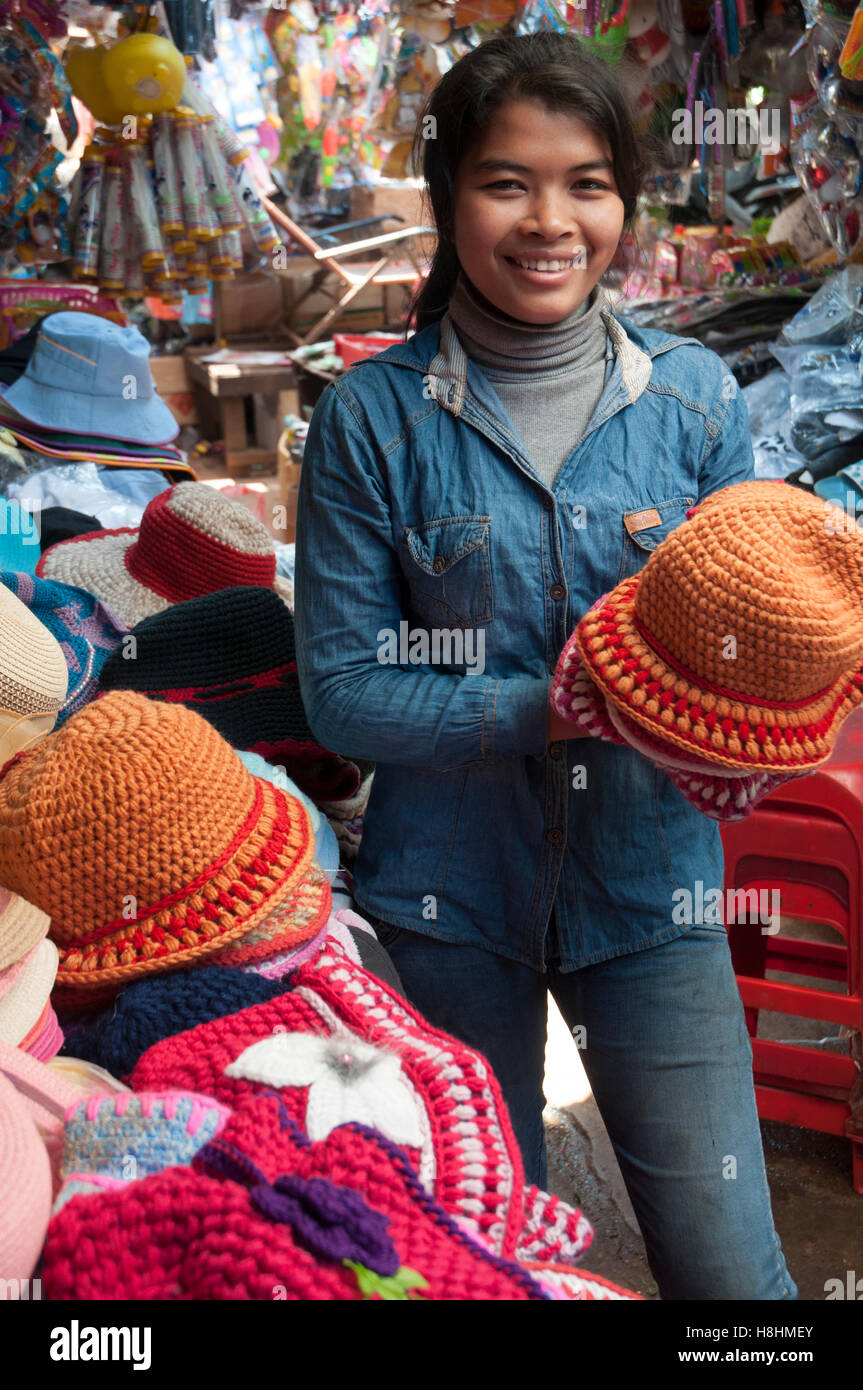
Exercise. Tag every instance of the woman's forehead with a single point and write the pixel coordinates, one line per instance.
(527, 133)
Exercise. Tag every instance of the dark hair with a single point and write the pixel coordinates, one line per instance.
(555, 69)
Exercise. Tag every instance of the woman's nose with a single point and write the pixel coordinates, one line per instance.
(549, 216)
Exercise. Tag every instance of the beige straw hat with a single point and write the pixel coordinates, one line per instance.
(33, 677)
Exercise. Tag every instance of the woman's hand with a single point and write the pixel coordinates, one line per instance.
(561, 728)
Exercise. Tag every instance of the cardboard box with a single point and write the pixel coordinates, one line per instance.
(173, 385)
(250, 303)
(400, 200)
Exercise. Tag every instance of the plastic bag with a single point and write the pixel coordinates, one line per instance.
(768, 403)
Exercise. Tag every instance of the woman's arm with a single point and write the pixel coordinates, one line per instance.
(347, 590)
(728, 456)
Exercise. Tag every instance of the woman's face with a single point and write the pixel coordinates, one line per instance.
(538, 186)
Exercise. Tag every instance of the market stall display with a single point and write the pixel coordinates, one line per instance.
(186, 985)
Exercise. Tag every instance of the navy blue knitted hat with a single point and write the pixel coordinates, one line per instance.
(159, 1007)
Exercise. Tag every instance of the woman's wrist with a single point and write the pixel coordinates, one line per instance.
(559, 728)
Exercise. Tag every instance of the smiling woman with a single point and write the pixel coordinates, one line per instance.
(533, 161)
(536, 239)
(496, 474)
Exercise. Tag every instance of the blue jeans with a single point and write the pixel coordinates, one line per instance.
(670, 1065)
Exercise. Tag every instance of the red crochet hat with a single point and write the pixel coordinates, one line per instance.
(342, 1047)
(191, 541)
(264, 1214)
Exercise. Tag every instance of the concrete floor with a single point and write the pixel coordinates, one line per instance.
(818, 1215)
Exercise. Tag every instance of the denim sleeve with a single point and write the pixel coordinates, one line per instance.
(728, 458)
(347, 587)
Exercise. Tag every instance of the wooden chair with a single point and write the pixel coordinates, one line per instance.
(350, 279)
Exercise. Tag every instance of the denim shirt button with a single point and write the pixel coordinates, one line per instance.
(555, 836)
(547, 502)
(557, 591)
(556, 750)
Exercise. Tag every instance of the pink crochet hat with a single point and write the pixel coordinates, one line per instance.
(31, 1097)
(341, 1047)
(24, 992)
(25, 1184)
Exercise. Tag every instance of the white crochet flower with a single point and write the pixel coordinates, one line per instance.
(348, 1079)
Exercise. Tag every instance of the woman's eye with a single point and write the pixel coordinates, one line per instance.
(581, 183)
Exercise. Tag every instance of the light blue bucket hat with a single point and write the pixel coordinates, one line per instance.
(89, 376)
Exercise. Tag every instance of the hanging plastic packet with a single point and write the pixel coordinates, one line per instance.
(195, 214)
(230, 143)
(142, 206)
(210, 215)
(88, 221)
(265, 235)
(220, 253)
(168, 193)
(112, 250)
(234, 244)
(134, 275)
(220, 190)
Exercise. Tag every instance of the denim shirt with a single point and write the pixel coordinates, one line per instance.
(417, 505)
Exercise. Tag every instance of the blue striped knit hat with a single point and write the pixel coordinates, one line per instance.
(87, 631)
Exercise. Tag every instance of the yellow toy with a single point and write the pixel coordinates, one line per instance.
(144, 73)
(84, 71)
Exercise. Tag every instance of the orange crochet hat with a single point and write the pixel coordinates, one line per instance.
(139, 830)
(741, 640)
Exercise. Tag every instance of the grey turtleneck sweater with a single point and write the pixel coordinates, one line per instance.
(549, 377)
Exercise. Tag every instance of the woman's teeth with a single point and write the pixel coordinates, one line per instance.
(550, 266)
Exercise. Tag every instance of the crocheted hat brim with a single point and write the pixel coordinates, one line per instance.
(22, 1005)
(295, 921)
(266, 861)
(96, 562)
(724, 727)
(22, 926)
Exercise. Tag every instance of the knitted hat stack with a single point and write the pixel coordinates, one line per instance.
(192, 541)
(737, 652)
(262, 1214)
(231, 656)
(137, 828)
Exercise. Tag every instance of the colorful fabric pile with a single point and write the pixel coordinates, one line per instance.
(202, 1046)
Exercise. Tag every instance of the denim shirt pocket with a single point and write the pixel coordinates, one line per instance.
(646, 527)
(447, 565)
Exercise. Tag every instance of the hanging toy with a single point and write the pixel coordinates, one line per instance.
(144, 73)
(86, 78)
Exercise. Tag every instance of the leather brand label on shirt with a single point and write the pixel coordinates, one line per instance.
(639, 521)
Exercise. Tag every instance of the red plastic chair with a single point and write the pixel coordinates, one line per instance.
(806, 840)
